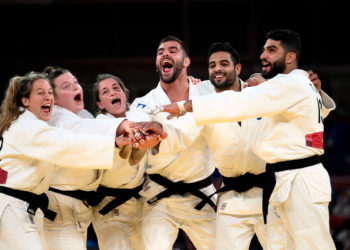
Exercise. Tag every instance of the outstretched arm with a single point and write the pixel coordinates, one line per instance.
(178, 108)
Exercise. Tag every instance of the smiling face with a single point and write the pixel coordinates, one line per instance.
(222, 71)
(273, 59)
(68, 93)
(112, 97)
(171, 61)
(40, 100)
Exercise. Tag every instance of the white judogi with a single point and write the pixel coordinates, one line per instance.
(70, 226)
(121, 227)
(292, 129)
(239, 214)
(163, 219)
(29, 150)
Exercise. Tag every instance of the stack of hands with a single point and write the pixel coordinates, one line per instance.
(141, 135)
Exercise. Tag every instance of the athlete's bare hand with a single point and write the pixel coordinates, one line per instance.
(195, 80)
(254, 80)
(314, 79)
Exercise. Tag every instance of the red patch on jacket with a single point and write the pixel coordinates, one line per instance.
(314, 140)
(3, 176)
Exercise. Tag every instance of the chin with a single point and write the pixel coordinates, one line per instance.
(45, 118)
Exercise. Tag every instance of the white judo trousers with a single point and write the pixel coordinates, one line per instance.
(69, 229)
(30, 148)
(162, 219)
(121, 227)
(239, 214)
(18, 229)
(292, 129)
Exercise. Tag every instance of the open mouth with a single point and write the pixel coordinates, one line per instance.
(77, 98)
(265, 65)
(167, 65)
(46, 108)
(116, 100)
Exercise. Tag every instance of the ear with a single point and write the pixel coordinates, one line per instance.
(187, 61)
(100, 106)
(291, 57)
(55, 99)
(238, 68)
(25, 101)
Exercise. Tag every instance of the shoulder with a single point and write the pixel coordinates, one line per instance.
(143, 101)
(28, 123)
(203, 87)
(102, 116)
(85, 114)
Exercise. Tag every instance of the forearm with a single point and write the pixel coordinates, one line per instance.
(188, 106)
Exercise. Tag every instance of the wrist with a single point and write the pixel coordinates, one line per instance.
(121, 128)
(188, 106)
(181, 106)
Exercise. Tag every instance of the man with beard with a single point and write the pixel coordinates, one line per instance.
(179, 178)
(239, 214)
(297, 190)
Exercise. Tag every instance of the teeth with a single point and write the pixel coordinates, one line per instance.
(167, 63)
(115, 100)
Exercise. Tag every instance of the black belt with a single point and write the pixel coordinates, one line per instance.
(35, 201)
(182, 188)
(240, 184)
(88, 197)
(243, 183)
(278, 167)
(122, 195)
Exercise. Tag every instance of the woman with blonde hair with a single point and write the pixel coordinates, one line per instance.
(29, 150)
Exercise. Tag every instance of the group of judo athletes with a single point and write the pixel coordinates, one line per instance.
(67, 179)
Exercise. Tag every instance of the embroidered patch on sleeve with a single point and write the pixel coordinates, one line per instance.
(141, 105)
(3, 176)
(314, 140)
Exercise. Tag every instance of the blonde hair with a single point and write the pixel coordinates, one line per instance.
(19, 86)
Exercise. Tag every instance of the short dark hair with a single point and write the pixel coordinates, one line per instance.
(99, 79)
(176, 39)
(226, 47)
(289, 39)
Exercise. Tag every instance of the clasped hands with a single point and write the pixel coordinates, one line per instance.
(141, 135)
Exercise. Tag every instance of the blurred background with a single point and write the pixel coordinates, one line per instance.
(120, 37)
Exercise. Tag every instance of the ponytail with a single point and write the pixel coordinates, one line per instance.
(18, 87)
(9, 110)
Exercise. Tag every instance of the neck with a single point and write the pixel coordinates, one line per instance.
(119, 115)
(178, 90)
(236, 86)
(289, 68)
